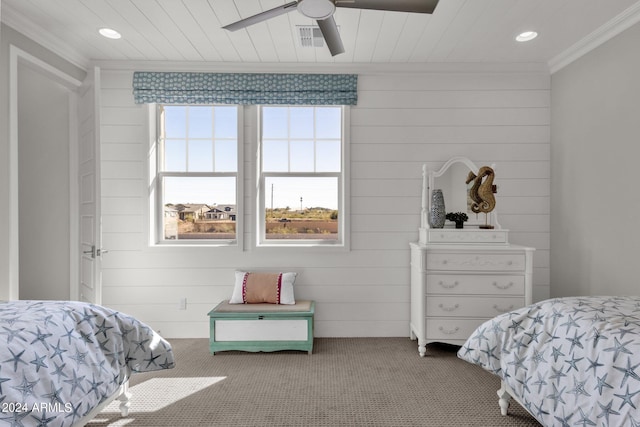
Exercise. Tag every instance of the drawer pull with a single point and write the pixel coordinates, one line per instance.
(502, 310)
(507, 286)
(455, 307)
(449, 331)
(447, 286)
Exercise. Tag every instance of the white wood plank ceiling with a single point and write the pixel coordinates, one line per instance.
(468, 31)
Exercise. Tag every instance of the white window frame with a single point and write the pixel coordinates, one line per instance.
(156, 210)
(342, 241)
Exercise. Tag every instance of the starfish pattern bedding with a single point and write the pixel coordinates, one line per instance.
(61, 359)
(570, 361)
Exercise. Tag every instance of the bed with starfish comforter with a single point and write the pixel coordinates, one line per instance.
(568, 361)
(61, 362)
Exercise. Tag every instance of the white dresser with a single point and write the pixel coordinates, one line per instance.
(456, 287)
(461, 278)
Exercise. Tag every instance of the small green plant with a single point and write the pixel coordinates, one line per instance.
(457, 217)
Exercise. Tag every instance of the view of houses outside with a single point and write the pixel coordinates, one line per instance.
(201, 221)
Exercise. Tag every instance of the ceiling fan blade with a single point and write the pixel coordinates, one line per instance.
(416, 6)
(329, 30)
(263, 16)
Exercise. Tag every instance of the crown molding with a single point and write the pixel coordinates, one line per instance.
(319, 67)
(44, 38)
(606, 32)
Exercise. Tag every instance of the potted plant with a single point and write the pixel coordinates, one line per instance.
(458, 217)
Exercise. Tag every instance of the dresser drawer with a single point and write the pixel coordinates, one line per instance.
(475, 261)
(468, 235)
(461, 284)
(451, 329)
(471, 306)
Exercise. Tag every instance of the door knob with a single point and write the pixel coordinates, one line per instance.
(95, 252)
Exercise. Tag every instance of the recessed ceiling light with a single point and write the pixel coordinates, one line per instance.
(526, 36)
(109, 33)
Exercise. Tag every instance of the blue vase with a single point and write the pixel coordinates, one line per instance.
(437, 213)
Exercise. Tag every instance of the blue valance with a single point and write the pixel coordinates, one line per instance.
(245, 88)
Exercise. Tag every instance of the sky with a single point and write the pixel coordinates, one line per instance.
(204, 138)
(286, 192)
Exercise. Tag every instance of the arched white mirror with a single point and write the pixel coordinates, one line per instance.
(457, 186)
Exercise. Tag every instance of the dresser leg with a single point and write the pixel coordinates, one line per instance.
(422, 349)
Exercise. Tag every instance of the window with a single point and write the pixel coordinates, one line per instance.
(301, 180)
(196, 183)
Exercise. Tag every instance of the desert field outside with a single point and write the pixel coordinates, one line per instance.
(281, 223)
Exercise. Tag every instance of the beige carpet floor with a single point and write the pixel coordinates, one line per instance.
(345, 382)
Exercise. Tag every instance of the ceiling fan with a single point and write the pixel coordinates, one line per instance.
(322, 11)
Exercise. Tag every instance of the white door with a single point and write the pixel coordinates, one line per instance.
(89, 288)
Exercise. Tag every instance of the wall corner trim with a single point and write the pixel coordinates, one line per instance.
(606, 32)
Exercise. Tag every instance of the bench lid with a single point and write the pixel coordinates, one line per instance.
(300, 307)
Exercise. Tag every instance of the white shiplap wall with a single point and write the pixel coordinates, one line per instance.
(402, 120)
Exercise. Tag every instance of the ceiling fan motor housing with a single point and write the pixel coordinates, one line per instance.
(316, 9)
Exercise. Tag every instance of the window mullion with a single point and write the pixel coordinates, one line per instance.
(213, 139)
(315, 142)
(186, 139)
(289, 139)
(197, 174)
(301, 174)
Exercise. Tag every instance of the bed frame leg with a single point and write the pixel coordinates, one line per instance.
(504, 398)
(125, 399)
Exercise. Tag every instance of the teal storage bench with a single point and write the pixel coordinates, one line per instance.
(261, 327)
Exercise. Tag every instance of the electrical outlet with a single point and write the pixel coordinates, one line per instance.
(183, 304)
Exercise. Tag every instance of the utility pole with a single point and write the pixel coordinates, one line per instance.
(271, 198)
(300, 203)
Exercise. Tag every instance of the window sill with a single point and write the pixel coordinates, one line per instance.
(302, 245)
